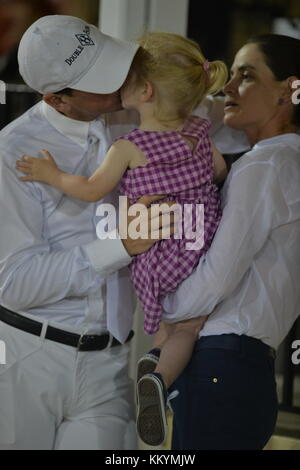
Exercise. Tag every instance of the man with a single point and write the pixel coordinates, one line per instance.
(63, 292)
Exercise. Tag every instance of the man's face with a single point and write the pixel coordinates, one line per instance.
(84, 106)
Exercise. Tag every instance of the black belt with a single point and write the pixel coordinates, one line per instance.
(83, 343)
(244, 344)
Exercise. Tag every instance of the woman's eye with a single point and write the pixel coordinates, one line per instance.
(245, 76)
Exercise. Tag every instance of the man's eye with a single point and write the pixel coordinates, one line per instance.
(245, 76)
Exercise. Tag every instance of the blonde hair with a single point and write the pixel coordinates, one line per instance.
(174, 64)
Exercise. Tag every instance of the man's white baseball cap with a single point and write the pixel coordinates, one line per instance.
(59, 51)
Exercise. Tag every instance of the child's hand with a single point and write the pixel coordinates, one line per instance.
(38, 169)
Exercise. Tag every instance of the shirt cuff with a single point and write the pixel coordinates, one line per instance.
(107, 255)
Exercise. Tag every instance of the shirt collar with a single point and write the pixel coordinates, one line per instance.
(292, 139)
(71, 128)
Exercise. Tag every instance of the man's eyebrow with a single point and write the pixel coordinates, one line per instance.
(242, 68)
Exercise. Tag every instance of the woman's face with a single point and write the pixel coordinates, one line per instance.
(252, 95)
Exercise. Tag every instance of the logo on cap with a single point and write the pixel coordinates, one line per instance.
(84, 40)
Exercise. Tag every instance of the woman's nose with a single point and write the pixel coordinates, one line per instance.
(229, 87)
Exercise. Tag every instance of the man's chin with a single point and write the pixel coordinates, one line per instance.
(110, 109)
(116, 107)
(119, 107)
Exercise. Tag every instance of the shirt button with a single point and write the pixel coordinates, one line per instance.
(215, 380)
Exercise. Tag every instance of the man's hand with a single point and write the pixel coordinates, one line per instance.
(158, 226)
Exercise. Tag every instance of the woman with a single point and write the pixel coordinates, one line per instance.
(249, 279)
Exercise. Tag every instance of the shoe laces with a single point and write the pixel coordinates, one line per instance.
(170, 397)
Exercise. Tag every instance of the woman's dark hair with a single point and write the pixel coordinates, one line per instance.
(282, 55)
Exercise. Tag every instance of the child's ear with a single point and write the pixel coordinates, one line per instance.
(148, 91)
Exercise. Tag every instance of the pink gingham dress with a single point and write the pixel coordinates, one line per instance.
(186, 176)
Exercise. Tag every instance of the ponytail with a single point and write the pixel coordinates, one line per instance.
(217, 76)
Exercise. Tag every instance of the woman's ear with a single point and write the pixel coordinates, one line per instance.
(295, 86)
(288, 89)
(57, 102)
(148, 92)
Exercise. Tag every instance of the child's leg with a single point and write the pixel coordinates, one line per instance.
(148, 362)
(176, 342)
(177, 349)
(162, 335)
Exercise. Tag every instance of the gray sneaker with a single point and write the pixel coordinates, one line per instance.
(146, 365)
(151, 415)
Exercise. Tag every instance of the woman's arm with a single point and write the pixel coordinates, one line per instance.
(249, 216)
(92, 189)
(220, 169)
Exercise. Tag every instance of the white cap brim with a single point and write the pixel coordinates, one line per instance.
(110, 69)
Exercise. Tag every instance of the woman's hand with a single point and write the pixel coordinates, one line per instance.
(38, 169)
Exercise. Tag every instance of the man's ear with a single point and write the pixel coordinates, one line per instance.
(57, 101)
(148, 92)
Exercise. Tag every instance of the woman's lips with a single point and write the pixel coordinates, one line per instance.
(229, 105)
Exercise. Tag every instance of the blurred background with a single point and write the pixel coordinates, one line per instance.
(17, 15)
(220, 28)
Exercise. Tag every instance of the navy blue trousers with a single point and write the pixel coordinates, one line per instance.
(227, 396)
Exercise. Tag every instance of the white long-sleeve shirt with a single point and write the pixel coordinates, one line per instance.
(250, 276)
(52, 266)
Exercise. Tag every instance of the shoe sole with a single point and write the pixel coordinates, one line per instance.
(151, 419)
(146, 365)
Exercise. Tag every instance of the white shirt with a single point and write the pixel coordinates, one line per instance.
(250, 276)
(52, 266)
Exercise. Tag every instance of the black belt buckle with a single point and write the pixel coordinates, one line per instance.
(94, 342)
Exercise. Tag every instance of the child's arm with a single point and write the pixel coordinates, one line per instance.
(90, 189)
(220, 169)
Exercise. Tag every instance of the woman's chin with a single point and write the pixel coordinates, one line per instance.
(231, 120)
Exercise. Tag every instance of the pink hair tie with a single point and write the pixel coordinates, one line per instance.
(206, 66)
